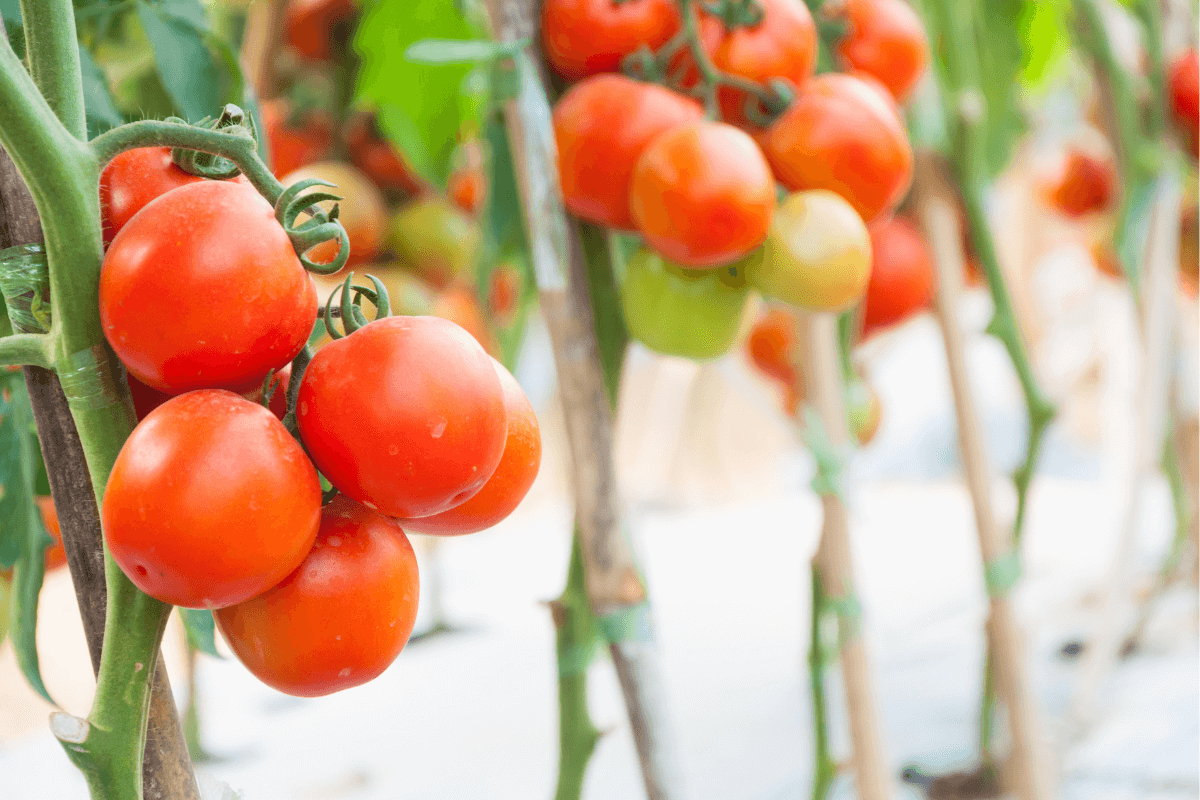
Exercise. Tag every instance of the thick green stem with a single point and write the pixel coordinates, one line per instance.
(576, 635)
(26, 349)
(53, 54)
(824, 767)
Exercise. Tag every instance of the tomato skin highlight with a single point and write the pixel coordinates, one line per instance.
(201, 289)
(405, 415)
(587, 37)
(509, 484)
(602, 125)
(341, 618)
(902, 279)
(845, 135)
(886, 40)
(1184, 84)
(210, 501)
(702, 194)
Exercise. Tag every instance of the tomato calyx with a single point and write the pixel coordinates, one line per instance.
(350, 310)
(321, 226)
(208, 165)
(735, 13)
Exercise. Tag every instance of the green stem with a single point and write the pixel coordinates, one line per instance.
(824, 767)
(1180, 503)
(53, 53)
(987, 712)
(32, 349)
(847, 323)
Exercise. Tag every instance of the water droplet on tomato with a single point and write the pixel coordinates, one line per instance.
(436, 429)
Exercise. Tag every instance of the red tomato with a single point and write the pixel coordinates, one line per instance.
(375, 156)
(586, 37)
(902, 281)
(504, 292)
(1085, 184)
(294, 146)
(133, 179)
(145, 398)
(203, 290)
(312, 26)
(887, 41)
(1184, 86)
(405, 415)
(509, 484)
(844, 135)
(772, 346)
(341, 618)
(601, 126)
(210, 502)
(702, 194)
(783, 45)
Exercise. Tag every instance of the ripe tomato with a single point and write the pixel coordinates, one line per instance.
(293, 146)
(702, 194)
(315, 28)
(887, 41)
(783, 45)
(1084, 184)
(902, 281)
(434, 239)
(133, 179)
(375, 156)
(361, 210)
(683, 312)
(460, 305)
(201, 289)
(586, 37)
(509, 484)
(772, 345)
(602, 125)
(1184, 79)
(145, 398)
(405, 415)
(504, 292)
(844, 135)
(341, 618)
(210, 502)
(818, 254)
(467, 184)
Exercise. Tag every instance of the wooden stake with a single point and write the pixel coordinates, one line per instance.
(825, 392)
(1028, 775)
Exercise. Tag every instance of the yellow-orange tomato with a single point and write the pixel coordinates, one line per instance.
(361, 210)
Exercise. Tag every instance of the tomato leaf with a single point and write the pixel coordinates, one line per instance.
(181, 53)
(201, 629)
(504, 223)
(98, 102)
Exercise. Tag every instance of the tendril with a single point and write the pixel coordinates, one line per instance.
(321, 227)
(349, 309)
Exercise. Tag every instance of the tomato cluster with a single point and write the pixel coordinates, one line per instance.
(214, 503)
(700, 183)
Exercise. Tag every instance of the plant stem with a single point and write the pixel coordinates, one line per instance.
(26, 349)
(824, 767)
(53, 53)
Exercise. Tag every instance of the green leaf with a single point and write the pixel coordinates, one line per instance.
(419, 106)
(504, 222)
(201, 628)
(181, 53)
(1000, 50)
(455, 51)
(1047, 40)
(102, 112)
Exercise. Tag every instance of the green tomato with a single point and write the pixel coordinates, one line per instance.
(434, 239)
(683, 312)
(817, 254)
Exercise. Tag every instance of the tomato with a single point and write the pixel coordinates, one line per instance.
(504, 292)
(361, 210)
(844, 135)
(133, 179)
(702, 194)
(1106, 261)
(460, 305)
(1184, 80)
(783, 45)
(586, 37)
(315, 28)
(201, 289)
(467, 185)
(902, 280)
(145, 398)
(682, 312)
(405, 415)
(818, 254)
(1084, 184)
(887, 41)
(772, 346)
(293, 146)
(374, 155)
(863, 410)
(56, 557)
(434, 239)
(509, 484)
(210, 502)
(341, 618)
(601, 126)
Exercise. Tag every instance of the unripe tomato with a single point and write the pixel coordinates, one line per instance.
(341, 618)
(374, 155)
(683, 312)
(772, 345)
(601, 126)
(902, 282)
(210, 501)
(1085, 183)
(702, 194)
(887, 41)
(509, 484)
(434, 239)
(586, 37)
(405, 415)
(361, 210)
(460, 305)
(294, 146)
(1184, 81)
(133, 179)
(201, 289)
(844, 135)
(313, 26)
(818, 254)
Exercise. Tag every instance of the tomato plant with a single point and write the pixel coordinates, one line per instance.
(361, 210)
(586, 37)
(902, 279)
(434, 239)
(341, 617)
(887, 41)
(202, 468)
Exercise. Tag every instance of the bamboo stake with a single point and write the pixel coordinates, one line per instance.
(823, 379)
(614, 584)
(1029, 777)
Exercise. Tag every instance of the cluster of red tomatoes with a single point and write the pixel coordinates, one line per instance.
(213, 503)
